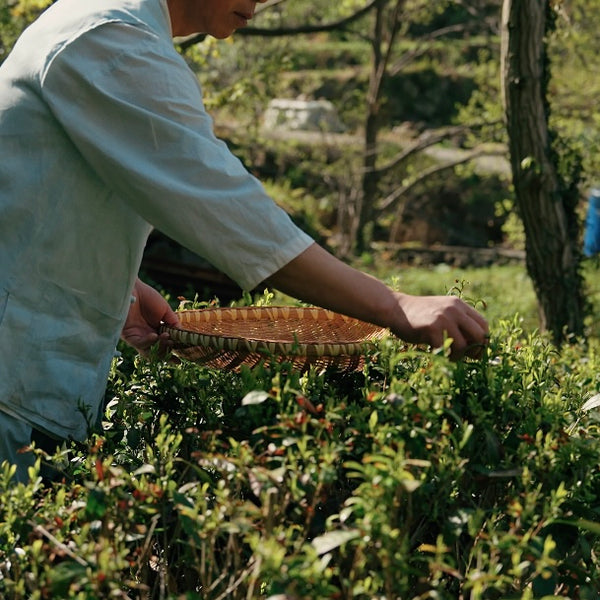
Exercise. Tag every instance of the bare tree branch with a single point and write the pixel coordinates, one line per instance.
(427, 140)
(389, 201)
(332, 26)
(423, 47)
(284, 31)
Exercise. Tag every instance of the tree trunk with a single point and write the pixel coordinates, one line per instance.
(553, 258)
(370, 181)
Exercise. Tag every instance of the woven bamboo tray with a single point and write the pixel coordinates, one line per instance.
(227, 338)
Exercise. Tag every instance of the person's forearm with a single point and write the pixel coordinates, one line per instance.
(317, 277)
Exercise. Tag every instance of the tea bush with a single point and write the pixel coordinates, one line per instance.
(415, 478)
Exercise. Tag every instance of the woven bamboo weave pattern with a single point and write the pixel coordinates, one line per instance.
(229, 337)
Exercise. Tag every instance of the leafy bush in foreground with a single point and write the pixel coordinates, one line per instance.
(418, 478)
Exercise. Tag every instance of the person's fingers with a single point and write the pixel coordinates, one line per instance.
(475, 351)
(469, 337)
(472, 339)
(164, 341)
(479, 318)
(476, 317)
(170, 318)
(459, 343)
(142, 348)
(473, 330)
(147, 341)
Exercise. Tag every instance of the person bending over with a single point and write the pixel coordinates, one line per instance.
(103, 137)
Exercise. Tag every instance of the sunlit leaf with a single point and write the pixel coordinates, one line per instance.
(255, 397)
(333, 539)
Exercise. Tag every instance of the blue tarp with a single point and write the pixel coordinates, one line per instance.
(591, 238)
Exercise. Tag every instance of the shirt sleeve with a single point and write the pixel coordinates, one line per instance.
(134, 110)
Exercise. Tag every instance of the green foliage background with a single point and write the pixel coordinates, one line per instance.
(414, 478)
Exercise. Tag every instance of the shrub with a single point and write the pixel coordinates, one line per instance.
(416, 478)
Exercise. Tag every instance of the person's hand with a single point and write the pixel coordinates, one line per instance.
(145, 316)
(429, 319)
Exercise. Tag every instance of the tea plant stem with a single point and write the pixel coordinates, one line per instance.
(58, 544)
(145, 551)
(256, 568)
(235, 584)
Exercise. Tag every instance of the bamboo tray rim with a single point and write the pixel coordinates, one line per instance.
(246, 335)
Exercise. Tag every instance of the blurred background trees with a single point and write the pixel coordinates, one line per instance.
(425, 158)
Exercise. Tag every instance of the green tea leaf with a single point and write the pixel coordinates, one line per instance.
(255, 397)
(333, 539)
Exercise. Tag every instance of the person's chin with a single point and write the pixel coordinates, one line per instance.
(224, 34)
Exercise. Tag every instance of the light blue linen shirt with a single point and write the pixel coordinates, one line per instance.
(103, 136)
